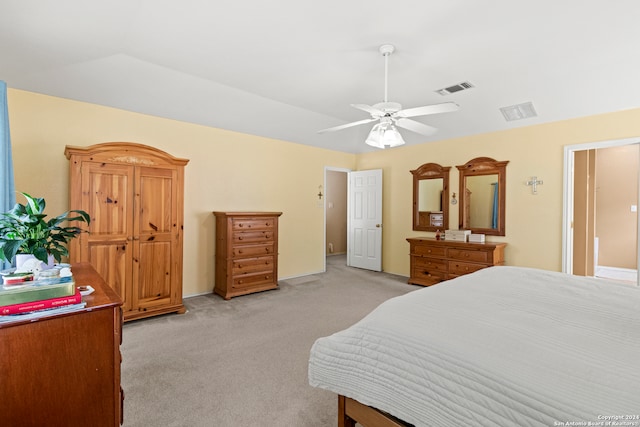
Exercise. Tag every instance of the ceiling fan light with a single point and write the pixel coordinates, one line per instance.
(392, 137)
(384, 135)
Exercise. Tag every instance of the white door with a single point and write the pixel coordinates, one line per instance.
(364, 224)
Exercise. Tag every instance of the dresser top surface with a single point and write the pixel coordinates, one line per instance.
(246, 214)
(102, 297)
(455, 243)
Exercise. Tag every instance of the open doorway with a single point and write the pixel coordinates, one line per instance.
(353, 210)
(335, 215)
(600, 214)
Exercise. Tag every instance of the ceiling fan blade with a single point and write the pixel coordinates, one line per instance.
(348, 125)
(445, 107)
(416, 127)
(369, 109)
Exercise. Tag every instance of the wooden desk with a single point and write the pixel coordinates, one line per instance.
(64, 370)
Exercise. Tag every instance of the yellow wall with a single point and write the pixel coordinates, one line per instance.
(233, 171)
(226, 171)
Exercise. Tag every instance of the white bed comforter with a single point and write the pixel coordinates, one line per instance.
(504, 346)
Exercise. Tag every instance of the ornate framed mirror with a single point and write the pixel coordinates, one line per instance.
(431, 197)
(482, 196)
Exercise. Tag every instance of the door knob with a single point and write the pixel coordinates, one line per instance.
(378, 225)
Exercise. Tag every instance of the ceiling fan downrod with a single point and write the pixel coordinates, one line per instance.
(386, 50)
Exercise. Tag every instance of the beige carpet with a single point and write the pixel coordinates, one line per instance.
(243, 362)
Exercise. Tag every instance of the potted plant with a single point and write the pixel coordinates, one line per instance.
(25, 230)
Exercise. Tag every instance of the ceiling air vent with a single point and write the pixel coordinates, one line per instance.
(455, 88)
(518, 112)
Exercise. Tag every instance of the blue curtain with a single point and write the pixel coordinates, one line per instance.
(494, 213)
(7, 187)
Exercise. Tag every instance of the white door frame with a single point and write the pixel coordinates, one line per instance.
(567, 202)
(324, 236)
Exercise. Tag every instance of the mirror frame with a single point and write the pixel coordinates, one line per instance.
(484, 166)
(431, 171)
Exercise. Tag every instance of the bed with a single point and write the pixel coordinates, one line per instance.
(504, 346)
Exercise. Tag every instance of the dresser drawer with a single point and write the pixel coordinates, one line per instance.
(428, 250)
(460, 268)
(429, 264)
(251, 281)
(252, 265)
(252, 236)
(466, 255)
(420, 276)
(253, 223)
(248, 251)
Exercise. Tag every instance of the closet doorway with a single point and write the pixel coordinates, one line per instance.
(600, 210)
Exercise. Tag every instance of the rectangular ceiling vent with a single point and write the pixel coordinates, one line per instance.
(518, 112)
(455, 88)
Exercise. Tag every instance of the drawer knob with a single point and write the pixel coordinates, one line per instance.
(240, 237)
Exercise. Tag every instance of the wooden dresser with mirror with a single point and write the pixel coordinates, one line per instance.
(481, 210)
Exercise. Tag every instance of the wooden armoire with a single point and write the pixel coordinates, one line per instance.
(134, 195)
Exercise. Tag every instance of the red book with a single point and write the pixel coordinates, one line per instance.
(26, 307)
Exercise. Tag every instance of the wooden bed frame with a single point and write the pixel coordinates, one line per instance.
(351, 412)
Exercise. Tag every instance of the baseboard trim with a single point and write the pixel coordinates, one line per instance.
(617, 273)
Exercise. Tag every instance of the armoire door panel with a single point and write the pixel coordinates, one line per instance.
(156, 200)
(113, 264)
(153, 276)
(109, 198)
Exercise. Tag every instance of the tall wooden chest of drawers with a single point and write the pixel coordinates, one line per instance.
(433, 261)
(246, 252)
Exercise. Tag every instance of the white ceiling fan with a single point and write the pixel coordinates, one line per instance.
(391, 114)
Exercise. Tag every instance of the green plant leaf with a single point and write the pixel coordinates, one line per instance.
(25, 229)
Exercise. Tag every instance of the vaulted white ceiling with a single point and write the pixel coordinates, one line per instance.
(285, 69)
